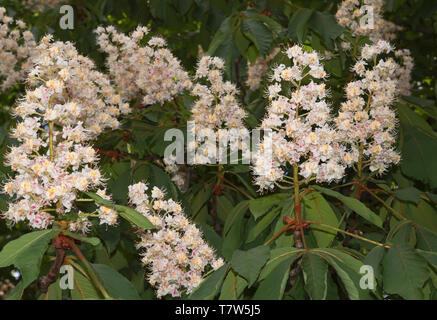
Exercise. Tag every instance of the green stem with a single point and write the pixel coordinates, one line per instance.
(52, 154)
(350, 234)
(90, 270)
(230, 184)
(397, 214)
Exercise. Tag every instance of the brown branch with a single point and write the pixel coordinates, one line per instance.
(61, 243)
(45, 281)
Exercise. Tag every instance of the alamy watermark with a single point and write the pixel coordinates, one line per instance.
(367, 281)
(67, 280)
(67, 20)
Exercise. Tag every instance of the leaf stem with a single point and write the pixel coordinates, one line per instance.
(89, 270)
(236, 188)
(51, 150)
(397, 214)
(350, 234)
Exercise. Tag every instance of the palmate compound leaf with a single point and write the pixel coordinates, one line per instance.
(352, 204)
(248, 263)
(129, 214)
(405, 272)
(26, 253)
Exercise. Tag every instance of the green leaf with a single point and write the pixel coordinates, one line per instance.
(408, 194)
(315, 272)
(271, 23)
(297, 26)
(262, 224)
(184, 5)
(353, 204)
(348, 270)
(277, 256)
(248, 263)
(26, 253)
(134, 217)
(431, 257)
(210, 286)
(419, 147)
(238, 211)
(374, 258)
(260, 206)
(259, 34)
(252, 54)
(426, 105)
(129, 214)
(426, 239)
(222, 33)
(273, 286)
(54, 292)
(117, 285)
(99, 199)
(317, 209)
(405, 272)
(92, 240)
(241, 42)
(326, 25)
(423, 213)
(83, 288)
(233, 287)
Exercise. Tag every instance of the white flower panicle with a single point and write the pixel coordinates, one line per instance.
(349, 14)
(300, 120)
(354, 14)
(366, 121)
(151, 71)
(257, 70)
(176, 255)
(78, 92)
(17, 45)
(67, 103)
(216, 111)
